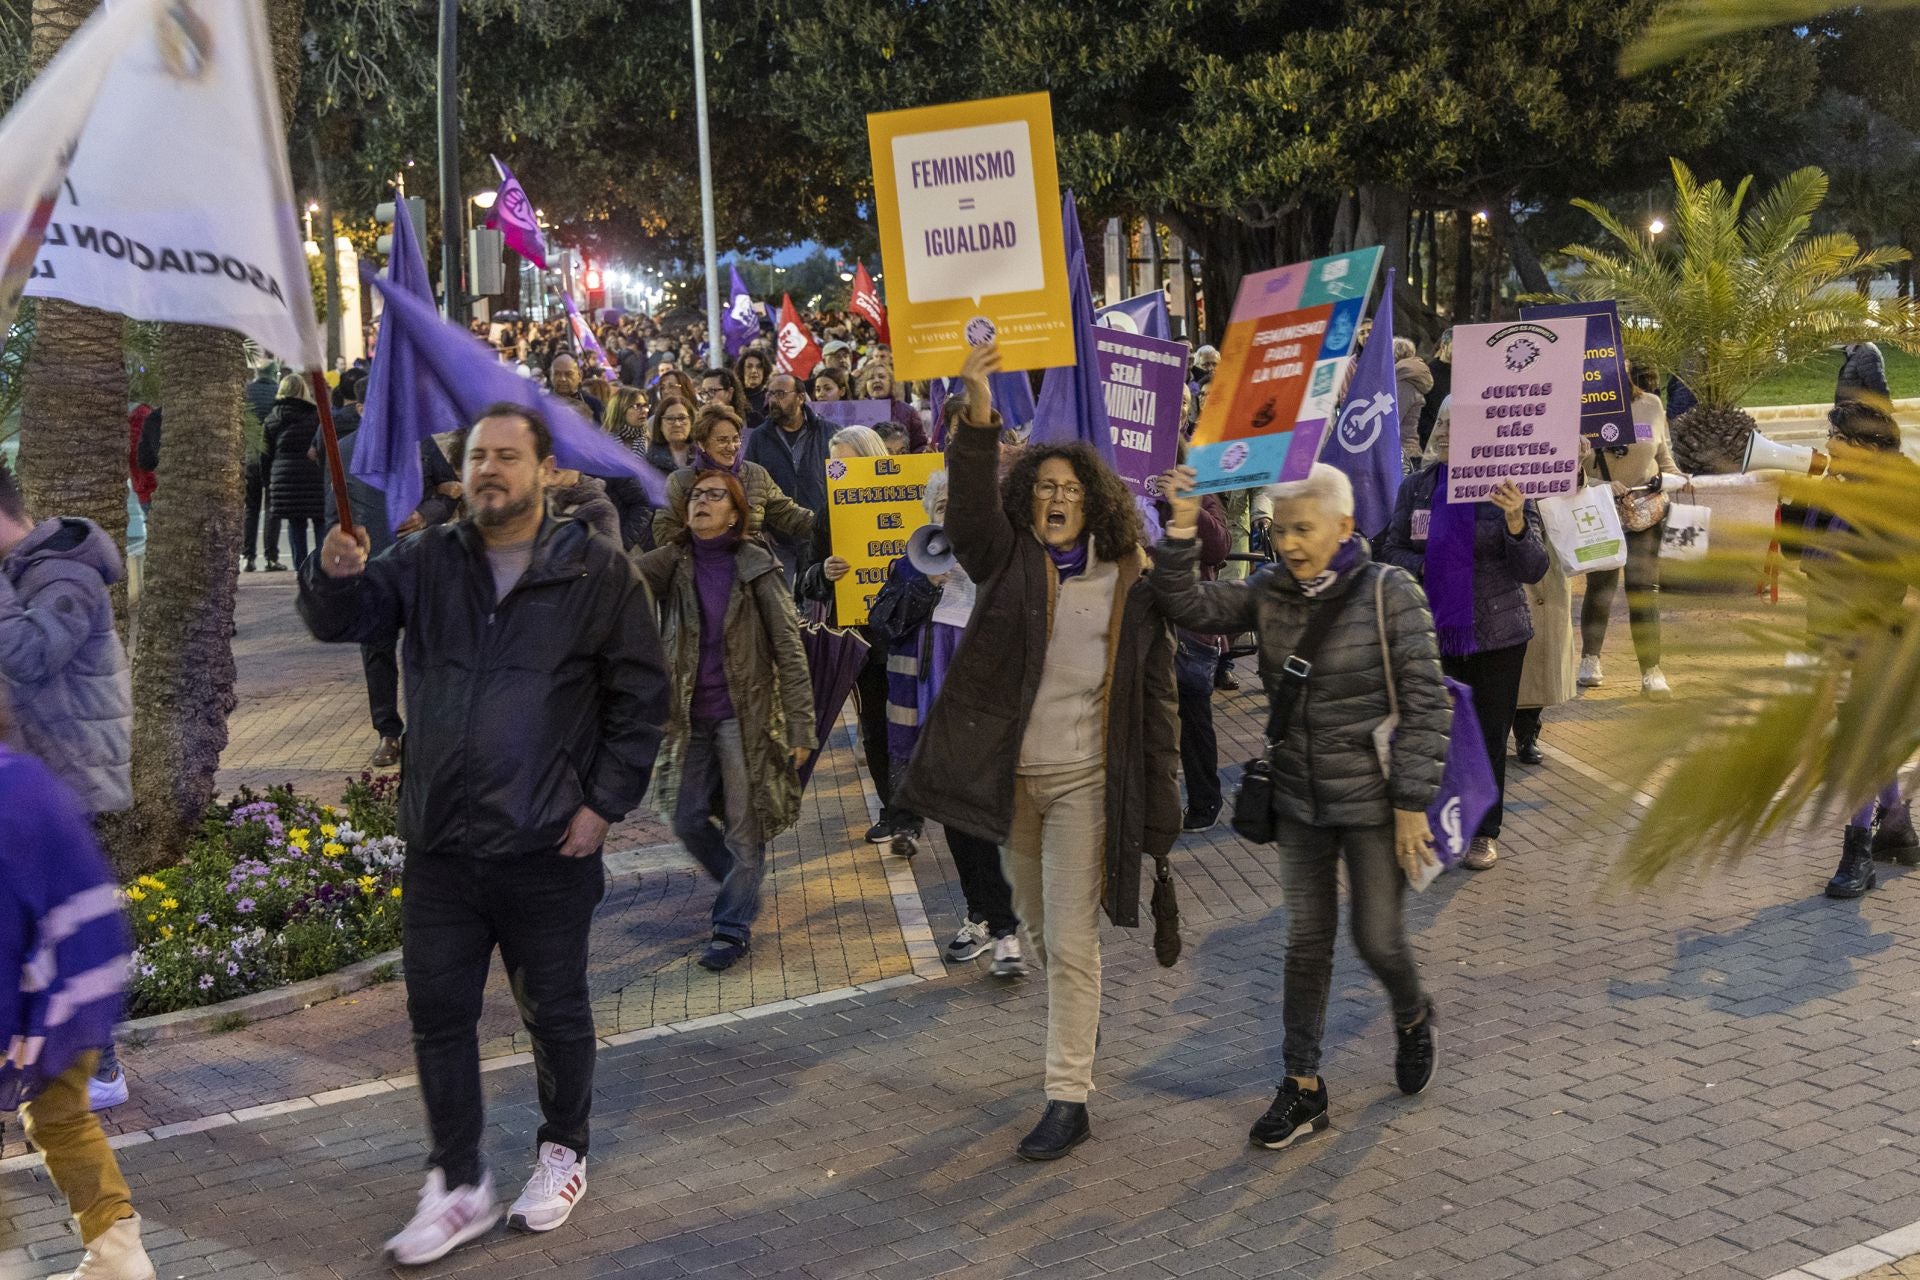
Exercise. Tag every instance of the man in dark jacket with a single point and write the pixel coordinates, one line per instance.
(792, 446)
(537, 690)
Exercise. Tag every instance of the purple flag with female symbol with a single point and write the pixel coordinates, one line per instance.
(741, 323)
(583, 339)
(1366, 435)
(513, 217)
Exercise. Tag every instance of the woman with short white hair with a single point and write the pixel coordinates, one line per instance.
(1344, 642)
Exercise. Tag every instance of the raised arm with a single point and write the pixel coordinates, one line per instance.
(977, 525)
(344, 597)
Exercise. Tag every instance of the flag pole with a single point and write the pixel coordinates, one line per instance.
(342, 503)
(716, 353)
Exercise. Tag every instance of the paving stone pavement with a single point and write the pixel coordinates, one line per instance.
(1709, 1079)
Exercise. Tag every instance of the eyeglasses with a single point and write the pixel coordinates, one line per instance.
(1051, 489)
(708, 495)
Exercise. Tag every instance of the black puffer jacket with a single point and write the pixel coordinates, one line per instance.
(295, 488)
(1326, 773)
(521, 711)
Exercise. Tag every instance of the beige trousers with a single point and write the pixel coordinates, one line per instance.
(1055, 860)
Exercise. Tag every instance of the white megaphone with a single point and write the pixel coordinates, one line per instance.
(929, 551)
(1770, 455)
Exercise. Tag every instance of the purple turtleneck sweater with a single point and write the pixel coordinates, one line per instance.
(713, 575)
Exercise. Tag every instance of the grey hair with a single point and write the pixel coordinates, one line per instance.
(1324, 484)
(936, 490)
(864, 441)
(1402, 348)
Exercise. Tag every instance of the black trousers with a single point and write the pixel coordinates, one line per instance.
(1193, 668)
(381, 662)
(982, 882)
(256, 506)
(1494, 677)
(537, 910)
(870, 695)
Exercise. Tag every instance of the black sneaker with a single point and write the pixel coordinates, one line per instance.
(1063, 1126)
(1194, 820)
(1295, 1113)
(905, 842)
(721, 954)
(881, 832)
(1414, 1060)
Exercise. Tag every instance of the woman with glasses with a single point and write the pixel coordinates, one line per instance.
(670, 434)
(1055, 733)
(626, 419)
(717, 436)
(741, 721)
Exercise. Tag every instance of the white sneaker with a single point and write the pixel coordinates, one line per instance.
(1589, 672)
(444, 1221)
(102, 1094)
(1007, 960)
(970, 941)
(558, 1182)
(1653, 684)
(115, 1254)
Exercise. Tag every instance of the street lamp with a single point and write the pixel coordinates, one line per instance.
(1655, 227)
(484, 199)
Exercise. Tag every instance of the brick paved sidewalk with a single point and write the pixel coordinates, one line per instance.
(1709, 1080)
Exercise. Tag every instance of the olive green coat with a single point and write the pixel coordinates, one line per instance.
(767, 505)
(766, 677)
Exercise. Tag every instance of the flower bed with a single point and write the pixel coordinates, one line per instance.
(276, 889)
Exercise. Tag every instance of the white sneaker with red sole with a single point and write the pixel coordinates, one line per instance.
(558, 1182)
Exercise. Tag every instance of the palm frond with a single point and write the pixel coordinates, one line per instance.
(1687, 25)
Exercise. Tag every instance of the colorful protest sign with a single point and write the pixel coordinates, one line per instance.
(1141, 379)
(1606, 401)
(853, 413)
(1284, 356)
(1516, 408)
(968, 199)
(874, 505)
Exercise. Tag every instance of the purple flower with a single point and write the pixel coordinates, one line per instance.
(244, 906)
(233, 970)
(206, 981)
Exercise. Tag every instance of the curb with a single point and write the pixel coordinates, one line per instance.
(158, 1028)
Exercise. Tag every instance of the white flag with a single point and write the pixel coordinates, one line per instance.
(145, 172)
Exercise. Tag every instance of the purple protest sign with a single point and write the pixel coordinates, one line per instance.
(1141, 379)
(854, 413)
(1606, 401)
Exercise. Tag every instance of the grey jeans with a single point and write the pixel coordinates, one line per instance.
(1309, 876)
(714, 769)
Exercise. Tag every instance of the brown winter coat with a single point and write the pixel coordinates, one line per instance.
(962, 771)
(766, 676)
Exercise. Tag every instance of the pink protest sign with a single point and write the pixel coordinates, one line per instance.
(1516, 408)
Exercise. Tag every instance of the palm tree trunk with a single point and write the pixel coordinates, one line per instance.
(73, 410)
(183, 674)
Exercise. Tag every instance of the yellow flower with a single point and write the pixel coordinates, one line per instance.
(394, 892)
(151, 882)
(367, 885)
(151, 917)
(328, 810)
(328, 830)
(166, 931)
(137, 894)
(297, 836)
(333, 848)
(170, 904)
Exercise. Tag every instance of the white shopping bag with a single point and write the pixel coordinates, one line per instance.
(1686, 532)
(1583, 528)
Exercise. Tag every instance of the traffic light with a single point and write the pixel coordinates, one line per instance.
(416, 208)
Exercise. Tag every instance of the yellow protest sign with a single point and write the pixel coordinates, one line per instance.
(968, 198)
(874, 505)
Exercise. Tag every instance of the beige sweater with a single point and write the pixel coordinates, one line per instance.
(1068, 724)
(1643, 460)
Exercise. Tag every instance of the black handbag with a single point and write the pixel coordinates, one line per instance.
(1253, 802)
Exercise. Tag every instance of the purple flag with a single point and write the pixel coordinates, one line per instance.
(1012, 395)
(1366, 434)
(513, 217)
(741, 324)
(468, 372)
(1466, 784)
(1071, 406)
(1145, 315)
(403, 406)
(583, 340)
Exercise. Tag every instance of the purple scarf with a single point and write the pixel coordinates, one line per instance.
(1345, 556)
(1070, 563)
(713, 574)
(701, 460)
(1449, 569)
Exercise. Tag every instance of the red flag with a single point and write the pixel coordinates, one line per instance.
(866, 302)
(799, 353)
